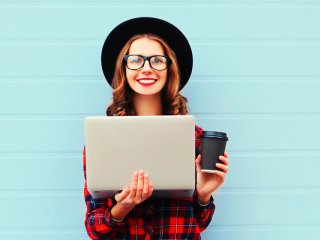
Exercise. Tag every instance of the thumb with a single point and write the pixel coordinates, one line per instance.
(121, 196)
(198, 161)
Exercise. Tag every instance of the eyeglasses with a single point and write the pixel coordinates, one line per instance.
(157, 62)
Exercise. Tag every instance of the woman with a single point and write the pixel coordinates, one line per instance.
(147, 61)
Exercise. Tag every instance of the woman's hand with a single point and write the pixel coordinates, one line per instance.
(207, 183)
(140, 189)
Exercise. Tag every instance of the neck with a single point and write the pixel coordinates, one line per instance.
(147, 105)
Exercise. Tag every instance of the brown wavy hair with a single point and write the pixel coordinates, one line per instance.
(173, 103)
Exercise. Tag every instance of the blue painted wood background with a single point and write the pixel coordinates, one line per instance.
(256, 76)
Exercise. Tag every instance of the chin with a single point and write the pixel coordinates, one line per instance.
(148, 92)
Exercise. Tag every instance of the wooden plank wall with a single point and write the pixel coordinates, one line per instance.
(256, 76)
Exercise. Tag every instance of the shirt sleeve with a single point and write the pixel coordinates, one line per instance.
(98, 220)
(203, 213)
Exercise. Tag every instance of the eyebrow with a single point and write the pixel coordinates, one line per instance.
(161, 54)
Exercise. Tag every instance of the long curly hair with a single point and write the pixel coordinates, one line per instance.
(173, 103)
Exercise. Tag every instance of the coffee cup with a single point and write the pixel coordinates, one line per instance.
(213, 145)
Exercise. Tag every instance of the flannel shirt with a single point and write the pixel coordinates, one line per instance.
(181, 218)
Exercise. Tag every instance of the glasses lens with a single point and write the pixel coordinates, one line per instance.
(134, 62)
(158, 62)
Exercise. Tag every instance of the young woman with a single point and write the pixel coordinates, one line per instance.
(147, 61)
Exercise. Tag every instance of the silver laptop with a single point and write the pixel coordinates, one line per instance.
(162, 146)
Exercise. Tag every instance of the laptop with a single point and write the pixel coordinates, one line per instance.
(161, 146)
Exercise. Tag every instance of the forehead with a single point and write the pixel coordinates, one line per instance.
(146, 47)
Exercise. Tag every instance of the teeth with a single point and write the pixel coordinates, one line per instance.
(147, 81)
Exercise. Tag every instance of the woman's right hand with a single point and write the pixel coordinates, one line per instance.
(140, 189)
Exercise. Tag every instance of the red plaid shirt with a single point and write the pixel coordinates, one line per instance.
(182, 218)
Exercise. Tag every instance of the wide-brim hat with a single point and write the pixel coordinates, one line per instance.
(120, 35)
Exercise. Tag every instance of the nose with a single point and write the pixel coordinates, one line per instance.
(146, 67)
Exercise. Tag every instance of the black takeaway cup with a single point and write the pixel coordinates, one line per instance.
(213, 144)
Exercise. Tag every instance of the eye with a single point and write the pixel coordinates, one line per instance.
(134, 59)
(158, 59)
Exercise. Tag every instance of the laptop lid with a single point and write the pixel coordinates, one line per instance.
(161, 146)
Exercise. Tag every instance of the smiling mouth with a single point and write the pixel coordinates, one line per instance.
(146, 81)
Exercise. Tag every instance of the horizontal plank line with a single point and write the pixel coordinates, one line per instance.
(53, 79)
(246, 152)
(257, 115)
(215, 227)
(268, 190)
(39, 153)
(199, 116)
(36, 155)
(51, 41)
(177, 3)
(264, 227)
(262, 79)
(40, 230)
(163, 1)
(222, 191)
(195, 42)
(233, 153)
(255, 77)
(195, 78)
(255, 42)
(48, 116)
(41, 193)
(273, 152)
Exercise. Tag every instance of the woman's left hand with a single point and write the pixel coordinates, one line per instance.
(207, 183)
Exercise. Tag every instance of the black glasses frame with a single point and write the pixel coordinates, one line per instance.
(125, 58)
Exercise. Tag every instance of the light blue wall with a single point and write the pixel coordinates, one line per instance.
(256, 76)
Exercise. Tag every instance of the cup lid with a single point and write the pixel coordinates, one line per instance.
(215, 134)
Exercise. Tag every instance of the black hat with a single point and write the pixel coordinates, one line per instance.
(120, 35)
